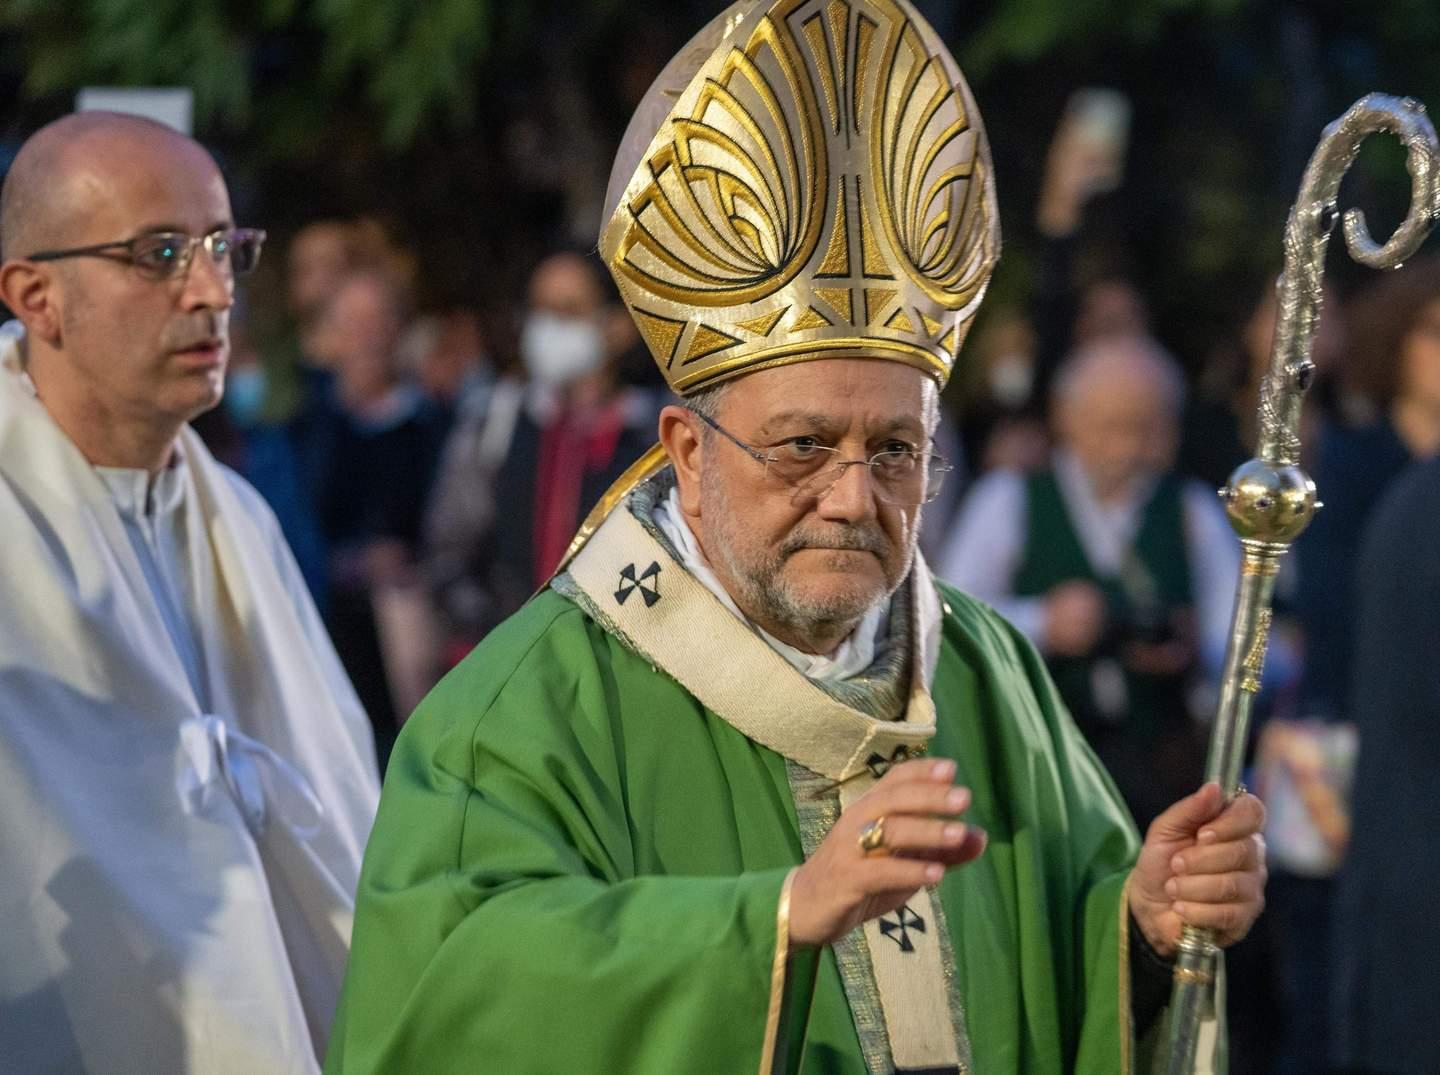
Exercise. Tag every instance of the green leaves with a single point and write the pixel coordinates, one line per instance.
(415, 60)
(1025, 31)
(202, 44)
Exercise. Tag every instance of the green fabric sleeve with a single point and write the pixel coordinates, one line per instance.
(502, 923)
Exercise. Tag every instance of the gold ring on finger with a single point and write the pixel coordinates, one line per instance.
(872, 837)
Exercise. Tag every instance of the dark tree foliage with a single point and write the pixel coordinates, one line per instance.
(481, 131)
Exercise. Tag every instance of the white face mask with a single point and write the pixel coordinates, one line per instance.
(558, 350)
(1011, 379)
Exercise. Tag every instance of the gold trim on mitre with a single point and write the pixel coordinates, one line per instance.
(806, 179)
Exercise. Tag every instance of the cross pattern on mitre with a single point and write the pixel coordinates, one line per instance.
(647, 583)
(899, 928)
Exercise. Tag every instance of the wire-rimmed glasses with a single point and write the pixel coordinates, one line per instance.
(904, 477)
(164, 255)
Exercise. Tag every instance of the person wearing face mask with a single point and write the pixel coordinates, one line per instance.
(560, 348)
(268, 462)
(998, 404)
(545, 447)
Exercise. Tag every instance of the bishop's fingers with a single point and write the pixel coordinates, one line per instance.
(1243, 817)
(940, 770)
(1217, 888)
(924, 799)
(1243, 854)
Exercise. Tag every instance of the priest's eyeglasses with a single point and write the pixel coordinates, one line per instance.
(905, 477)
(165, 255)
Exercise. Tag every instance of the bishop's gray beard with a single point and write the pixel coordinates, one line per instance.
(765, 593)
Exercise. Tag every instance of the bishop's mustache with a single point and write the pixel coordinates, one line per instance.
(857, 539)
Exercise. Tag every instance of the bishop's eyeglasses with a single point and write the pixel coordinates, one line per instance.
(906, 477)
(165, 255)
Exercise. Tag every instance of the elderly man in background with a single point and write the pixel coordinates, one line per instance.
(678, 796)
(188, 777)
(1119, 572)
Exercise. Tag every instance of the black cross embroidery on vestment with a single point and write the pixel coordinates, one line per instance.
(879, 765)
(647, 583)
(900, 928)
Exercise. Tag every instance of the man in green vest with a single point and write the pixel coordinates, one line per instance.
(1117, 570)
(745, 789)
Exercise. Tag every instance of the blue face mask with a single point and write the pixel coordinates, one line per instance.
(245, 395)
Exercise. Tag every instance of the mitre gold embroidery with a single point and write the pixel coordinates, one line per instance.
(819, 187)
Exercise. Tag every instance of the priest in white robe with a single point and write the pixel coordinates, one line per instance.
(186, 777)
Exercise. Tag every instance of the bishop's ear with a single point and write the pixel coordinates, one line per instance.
(683, 437)
(30, 292)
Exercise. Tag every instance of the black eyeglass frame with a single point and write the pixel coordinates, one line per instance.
(124, 250)
(936, 469)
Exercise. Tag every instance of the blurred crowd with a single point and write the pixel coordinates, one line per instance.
(427, 489)
(430, 466)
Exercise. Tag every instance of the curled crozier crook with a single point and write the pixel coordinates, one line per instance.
(1270, 500)
(1405, 118)
(1307, 235)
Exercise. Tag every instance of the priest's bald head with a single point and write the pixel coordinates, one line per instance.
(119, 257)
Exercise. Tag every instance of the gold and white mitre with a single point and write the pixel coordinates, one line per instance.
(806, 179)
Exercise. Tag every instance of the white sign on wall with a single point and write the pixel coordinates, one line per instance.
(172, 106)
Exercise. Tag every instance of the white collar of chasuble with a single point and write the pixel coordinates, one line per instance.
(664, 612)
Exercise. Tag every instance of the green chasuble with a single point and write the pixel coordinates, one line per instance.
(579, 867)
